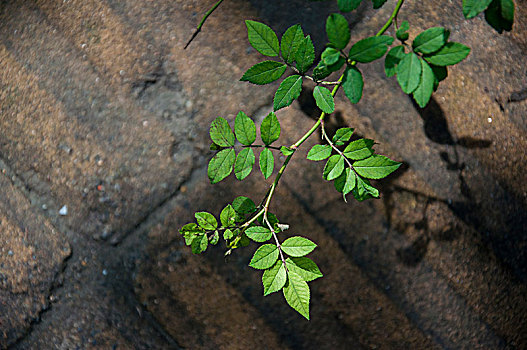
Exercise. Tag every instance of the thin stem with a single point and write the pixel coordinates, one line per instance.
(259, 146)
(392, 17)
(198, 28)
(325, 136)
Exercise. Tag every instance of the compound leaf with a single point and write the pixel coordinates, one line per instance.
(450, 54)
(220, 166)
(291, 40)
(262, 38)
(304, 267)
(409, 72)
(375, 167)
(266, 162)
(319, 152)
(305, 55)
(274, 278)
(264, 72)
(359, 149)
(245, 129)
(297, 246)
(353, 84)
(296, 293)
(424, 91)
(430, 40)
(221, 133)
(244, 163)
(270, 129)
(287, 92)
(338, 31)
(324, 99)
(264, 257)
(370, 49)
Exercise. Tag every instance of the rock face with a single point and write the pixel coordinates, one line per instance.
(104, 135)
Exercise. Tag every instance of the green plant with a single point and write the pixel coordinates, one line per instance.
(418, 66)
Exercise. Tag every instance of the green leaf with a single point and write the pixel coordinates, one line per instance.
(304, 267)
(401, 32)
(264, 257)
(305, 55)
(334, 167)
(297, 246)
(500, 15)
(215, 238)
(359, 149)
(319, 152)
(286, 151)
(342, 136)
(221, 133)
(430, 40)
(324, 99)
(338, 31)
(291, 40)
(287, 92)
(449, 54)
(471, 8)
(393, 58)
(264, 72)
(190, 231)
(258, 233)
(330, 56)
(220, 166)
(199, 244)
(440, 74)
(270, 129)
(245, 129)
(228, 234)
(409, 72)
(296, 293)
(348, 5)
(345, 182)
(375, 167)
(244, 163)
(370, 49)
(243, 205)
(266, 162)
(274, 279)
(353, 84)
(206, 220)
(214, 147)
(322, 70)
(228, 216)
(364, 190)
(378, 3)
(262, 38)
(424, 91)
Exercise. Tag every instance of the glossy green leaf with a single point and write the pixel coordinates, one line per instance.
(228, 234)
(359, 149)
(364, 190)
(286, 151)
(409, 72)
(348, 5)
(324, 99)
(264, 257)
(334, 167)
(375, 167)
(264, 72)
(471, 8)
(296, 293)
(245, 129)
(214, 238)
(228, 216)
(221, 133)
(262, 38)
(190, 232)
(342, 136)
(258, 233)
(288, 91)
(206, 220)
(199, 244)
(244, 163)
(338, 31)
(297, 246)
(266, 162)
(330, 56)
(270, 129)
(353, 84)
(319, 152)
(392, 59)
(440, 74)
(430, 40)
(426, 87)
(370, 49)
(304, 267)
(220, 166)
(345, 182)
(401, 32)
(322, 70)
(291, 40)
(305, 55)
(243, 205)
(274, 279)
(449, 54)
(500, 15)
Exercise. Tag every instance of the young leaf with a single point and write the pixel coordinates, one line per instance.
(262, 38)
(471, 8)
(500, 15)
(324, 99)
(401, 32)
(304, 267)
(378, 3)
(270, 129)
(345, 182)
(319, 152)
(348, 5)
(330, 56)
(288, 91)
(274, 278)
(334, 167)
(305, 55)
(228, 216)
(286, 151)
(409, 72)
(297, 246)
(359, 149)
(264, 257)
(291, 40)
(221, 133)
(199, 244)
(338, 31)
(322, 70)
(245, 129)
(258, 233)
(370, 49)
(244, 163)
(296, 293)
(424, 91)
(220, 166)
(264, 72)
(375, 167)
(449, 54)
(266, 162)
(430, 40)
(364, 190)
(342, 136)
(353, 84)
(206, 220)
(392, 59)
(243, 205)
(228, 234)
(214, 238)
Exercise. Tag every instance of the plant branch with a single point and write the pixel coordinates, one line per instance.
(325, 136)
(198, 28)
